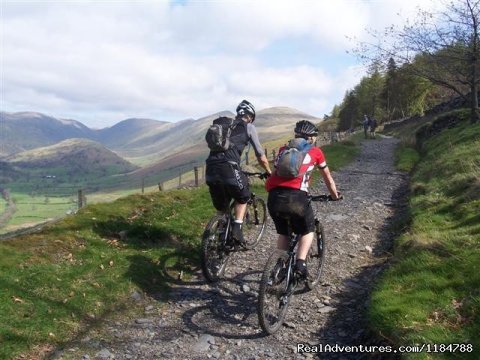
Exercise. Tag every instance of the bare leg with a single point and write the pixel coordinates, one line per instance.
(240, 210)
(304, 245)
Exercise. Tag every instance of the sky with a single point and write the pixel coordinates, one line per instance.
(100, 62)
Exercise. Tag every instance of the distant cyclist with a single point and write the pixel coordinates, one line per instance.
(373, 127)
(224, 177)
(288, 196)
(366, 125)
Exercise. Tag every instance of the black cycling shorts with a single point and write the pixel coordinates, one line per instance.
(226, 182)
(293, 204)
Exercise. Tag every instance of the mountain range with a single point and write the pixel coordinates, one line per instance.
(150, 144)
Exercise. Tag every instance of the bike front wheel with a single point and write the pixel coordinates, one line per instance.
(214, 256)
(274, 297)
(316, 257)
(254, 222)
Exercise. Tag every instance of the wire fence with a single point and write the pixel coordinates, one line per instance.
(195, 175)
(54, 200)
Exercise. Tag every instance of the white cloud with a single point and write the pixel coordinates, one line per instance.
(100, 62)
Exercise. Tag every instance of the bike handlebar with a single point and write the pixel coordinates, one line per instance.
(260, 175)
(323, 198)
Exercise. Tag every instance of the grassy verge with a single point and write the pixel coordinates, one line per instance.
(431, 292)
(56, 282)
(342, 153)
(406, 157)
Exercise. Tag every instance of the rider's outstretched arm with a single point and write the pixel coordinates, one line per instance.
(263, 161)
(257, 147)
(327, 177)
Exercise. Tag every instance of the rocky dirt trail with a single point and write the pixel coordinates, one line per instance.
(203, 321)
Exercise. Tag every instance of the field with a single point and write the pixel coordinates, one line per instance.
(3, 205)
(34, 208)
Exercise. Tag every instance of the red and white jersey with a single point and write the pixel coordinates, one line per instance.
(314, 157)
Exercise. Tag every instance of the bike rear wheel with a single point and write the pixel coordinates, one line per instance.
(254, 222)
(316, 257)
(214, 256)
(273, 298)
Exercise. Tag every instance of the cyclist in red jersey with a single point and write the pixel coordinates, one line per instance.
(287, 197)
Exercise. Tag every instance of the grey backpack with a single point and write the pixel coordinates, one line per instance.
(290, 159)
(218, 134)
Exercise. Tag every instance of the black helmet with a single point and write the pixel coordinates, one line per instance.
(246, 107)
(306, 128)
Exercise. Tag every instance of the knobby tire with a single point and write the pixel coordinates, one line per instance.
(214, 258)
(272, 300)
(316, 257)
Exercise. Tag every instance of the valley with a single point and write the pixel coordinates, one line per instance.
(46, 161)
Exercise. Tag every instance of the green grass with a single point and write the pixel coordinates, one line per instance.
(3, 204)
(74, 273)
(406, 157)
(342, 153)
(431, 292)
(37, 208)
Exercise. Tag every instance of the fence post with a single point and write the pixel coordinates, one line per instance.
(195, 170)
(274, 155)
(160, 186)
(143, 186)
(246, 158)
(80, 198)
(180, 178)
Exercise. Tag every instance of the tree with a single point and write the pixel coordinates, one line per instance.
(348, 112)
(404, 93)
(368, 93)
(442, 47)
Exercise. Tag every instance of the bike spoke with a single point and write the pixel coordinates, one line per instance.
(214, 255)
(273, 296)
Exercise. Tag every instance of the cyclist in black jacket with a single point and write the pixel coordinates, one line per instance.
(224, 177)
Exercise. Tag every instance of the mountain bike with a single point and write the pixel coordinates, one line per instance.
(217, 241)
(279, 281)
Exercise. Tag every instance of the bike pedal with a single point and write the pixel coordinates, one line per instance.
(240, 246)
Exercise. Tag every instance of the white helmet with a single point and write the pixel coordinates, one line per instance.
(246, 107)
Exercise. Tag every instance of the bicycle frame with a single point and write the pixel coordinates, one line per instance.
(280, 281)
(292, 250)
(218, 243)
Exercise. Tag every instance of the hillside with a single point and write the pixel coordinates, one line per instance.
(132, 133)
(435, 267)
(141, 141)
(275, 122)
(29, 130)
(436, 258)
(153, 146)
(72, 157)
(185, 143)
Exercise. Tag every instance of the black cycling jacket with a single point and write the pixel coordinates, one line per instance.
(242, 135)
